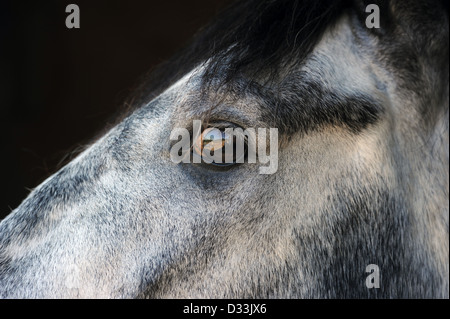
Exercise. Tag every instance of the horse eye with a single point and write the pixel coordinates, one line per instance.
(211, 146)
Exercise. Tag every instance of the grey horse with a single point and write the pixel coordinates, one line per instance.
(357, 208)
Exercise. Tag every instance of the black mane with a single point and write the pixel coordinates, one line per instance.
(251, 36)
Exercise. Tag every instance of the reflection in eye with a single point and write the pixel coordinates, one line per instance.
(210, 140)
(212, 146)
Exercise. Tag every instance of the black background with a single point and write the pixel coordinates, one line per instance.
(59, 87)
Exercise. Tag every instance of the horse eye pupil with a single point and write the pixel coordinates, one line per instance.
(211, 140)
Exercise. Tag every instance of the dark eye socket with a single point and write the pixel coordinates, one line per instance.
(219, 147)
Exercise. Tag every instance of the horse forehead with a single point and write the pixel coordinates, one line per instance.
(336, 64)
(340, 64)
